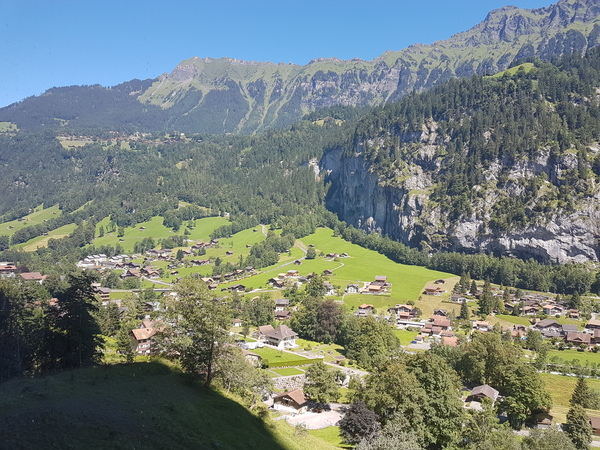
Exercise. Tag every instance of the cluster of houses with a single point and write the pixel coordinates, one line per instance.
(9, 270)
(101, 261)
(378, 286)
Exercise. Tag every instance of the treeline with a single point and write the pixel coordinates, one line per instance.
(40, 335)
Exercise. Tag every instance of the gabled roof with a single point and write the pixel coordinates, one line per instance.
(441, 321)
(595, 421)
(297, 395)
(575, 336)
(486, 390)
(546, 323)
(143, 333)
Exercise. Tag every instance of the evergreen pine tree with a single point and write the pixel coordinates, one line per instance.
(473, 290)
(578, 427)
(464, 311)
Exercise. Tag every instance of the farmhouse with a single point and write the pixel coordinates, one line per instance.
(281, 304)
(7, 270)
(282, 337)
(483, 391)
(294, 401)
(433, 290)
(352, 289)
(144, 335)
(593, 324)
(33, 276)
(364, 310)
(577, 338)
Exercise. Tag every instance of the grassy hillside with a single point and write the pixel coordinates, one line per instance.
(131, 406)
(35, 218)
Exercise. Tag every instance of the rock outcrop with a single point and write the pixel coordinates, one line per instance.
(403, 210)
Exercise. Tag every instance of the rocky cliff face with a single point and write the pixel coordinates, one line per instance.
(403, 210)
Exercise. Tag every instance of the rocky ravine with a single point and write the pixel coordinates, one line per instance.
(403, 211)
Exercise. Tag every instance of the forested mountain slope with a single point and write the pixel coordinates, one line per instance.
(231, 96)
(507, 165)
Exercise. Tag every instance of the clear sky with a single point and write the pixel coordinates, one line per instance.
(46, 43)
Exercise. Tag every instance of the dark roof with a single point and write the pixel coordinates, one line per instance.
(546, 323)
(568, 327)
(584, 338)
(281, 332)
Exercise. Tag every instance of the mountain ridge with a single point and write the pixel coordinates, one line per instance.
(229, 95)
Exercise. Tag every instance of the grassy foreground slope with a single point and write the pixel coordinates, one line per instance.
(131, 406)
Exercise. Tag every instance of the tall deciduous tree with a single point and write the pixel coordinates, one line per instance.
(321, 385)
(259, 311)
(329, 320)
(198, 334)
(358, 423)
(549, 439)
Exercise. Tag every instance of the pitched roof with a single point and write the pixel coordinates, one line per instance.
(143, 333)
(36, 276)
(441, 321)
(297, 395)
(594, 323)
(546, 323)
(485, 389)
(595, 421)
(264, 329)
(575, 336)
(281, 332)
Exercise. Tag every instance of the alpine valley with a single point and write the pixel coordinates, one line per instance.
(486, 142)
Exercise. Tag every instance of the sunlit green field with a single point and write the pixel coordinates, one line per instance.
(42, 241)
(35, 218)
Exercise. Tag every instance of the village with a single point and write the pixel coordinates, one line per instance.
(434, 315)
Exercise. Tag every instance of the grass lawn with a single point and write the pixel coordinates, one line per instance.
(405, 336)
(42, 241)
(582, 357)
(518, 320)
(364, 265)
(561, 388)
(278, 356)
(288, 371)
(36, 217)
(116, 406)
(331, 435)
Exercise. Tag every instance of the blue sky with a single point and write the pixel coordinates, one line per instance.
(48, 43)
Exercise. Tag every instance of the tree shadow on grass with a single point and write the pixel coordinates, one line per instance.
(126, 406)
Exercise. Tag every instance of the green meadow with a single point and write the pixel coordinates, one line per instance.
(363, 265)
(42, 241)
(154, 229)
(38, 216)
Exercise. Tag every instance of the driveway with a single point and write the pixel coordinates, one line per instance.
(315, 421)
